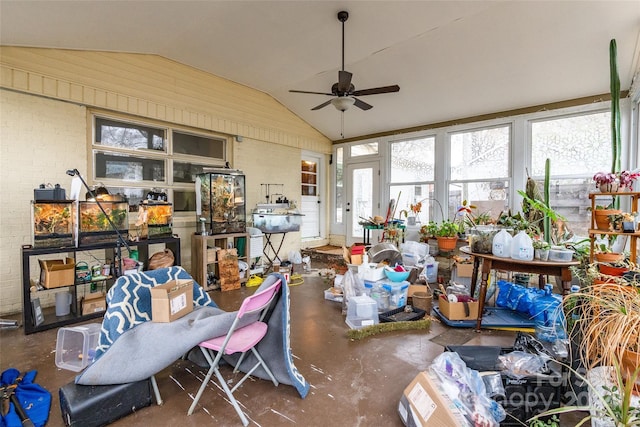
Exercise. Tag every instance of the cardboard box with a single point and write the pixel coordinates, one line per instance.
(56, 273)
(457, 310)
(424, 403)
(356, 259)
(464, 270)
(172, 300)
(93, 303)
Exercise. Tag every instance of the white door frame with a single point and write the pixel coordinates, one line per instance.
(322, 212)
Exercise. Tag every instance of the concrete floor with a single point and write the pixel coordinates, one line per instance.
(353, 383)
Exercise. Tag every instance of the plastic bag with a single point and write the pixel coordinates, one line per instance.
(519, 364)
(295, 257)
(352, 286)
(504, 289)
(467, 389)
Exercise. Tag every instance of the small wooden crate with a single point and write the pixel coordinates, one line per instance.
(228, 269)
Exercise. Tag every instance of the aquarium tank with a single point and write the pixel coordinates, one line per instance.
(221, 204)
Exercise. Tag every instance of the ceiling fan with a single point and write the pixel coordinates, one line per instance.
(344, 92)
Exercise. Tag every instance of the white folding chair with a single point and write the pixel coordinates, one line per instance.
(239, 340)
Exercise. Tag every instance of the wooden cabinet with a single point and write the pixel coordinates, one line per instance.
(204, 256)
(76, 289)
(594, 232)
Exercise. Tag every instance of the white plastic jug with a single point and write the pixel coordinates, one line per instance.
(522, 247)
(502, 244)
(63, 303)
(431, 269)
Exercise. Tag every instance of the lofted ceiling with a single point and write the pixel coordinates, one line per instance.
(451, 59)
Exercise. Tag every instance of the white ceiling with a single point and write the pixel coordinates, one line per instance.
(451, 59)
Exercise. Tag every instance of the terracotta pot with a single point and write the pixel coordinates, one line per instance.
(609, 257)
(447, 243)
(629, 363)
(602, 217)
(610, 270)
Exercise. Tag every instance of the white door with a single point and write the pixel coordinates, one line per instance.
(310, 196)
(363, 199)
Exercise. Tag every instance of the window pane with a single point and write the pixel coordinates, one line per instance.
(480, 154)
(135, 196)
(186, 172)
(339, 184)
(364, 149)
(112, 133)
(570, 198)
(490, 198)
(184, 200)
(413, 160)
(198, 145)
(570, 143)
(309, 190)
(308, 166)
(412, 195)
(128, 168)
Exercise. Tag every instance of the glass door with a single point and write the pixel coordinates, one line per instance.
(363, 199)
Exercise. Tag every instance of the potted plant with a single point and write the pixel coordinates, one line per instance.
(609, 320)
(604, 252)
(610, 400)
(446, 232)
(541, 249)
(602, 216)
(626, 180)
(412, 213)
(607, 182)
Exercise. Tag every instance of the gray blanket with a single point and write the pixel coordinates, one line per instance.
(149, 347)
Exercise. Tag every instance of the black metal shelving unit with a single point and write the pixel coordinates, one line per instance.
(51, 321)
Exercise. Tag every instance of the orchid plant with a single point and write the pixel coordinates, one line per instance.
(611, 181)
(604, 178)
(627, 178)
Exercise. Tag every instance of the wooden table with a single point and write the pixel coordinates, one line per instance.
(490, 261)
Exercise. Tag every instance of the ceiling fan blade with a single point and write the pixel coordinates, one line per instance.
(344, 81)
(376, 90)
(362, 105)
(314, 93)
(324, 104)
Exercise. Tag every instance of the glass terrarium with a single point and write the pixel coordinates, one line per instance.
(52, 223)
(155, 220)
(93, 225)
(222, 200)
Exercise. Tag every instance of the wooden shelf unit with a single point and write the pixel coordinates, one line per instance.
(593, 231)
(75, 316)
(204, 259)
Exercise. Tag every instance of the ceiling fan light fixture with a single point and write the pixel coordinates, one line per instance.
(343, 103)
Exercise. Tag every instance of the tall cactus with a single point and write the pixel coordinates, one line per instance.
(546, 225)
(616, 142)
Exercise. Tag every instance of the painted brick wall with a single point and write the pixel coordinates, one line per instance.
(40, 139)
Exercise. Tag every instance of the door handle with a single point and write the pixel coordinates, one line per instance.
(348, 210)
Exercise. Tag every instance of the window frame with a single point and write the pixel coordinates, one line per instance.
(167, 156)
(520, 148)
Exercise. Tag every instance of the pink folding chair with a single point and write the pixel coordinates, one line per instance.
(239, 340)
